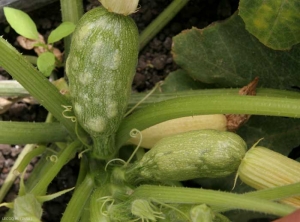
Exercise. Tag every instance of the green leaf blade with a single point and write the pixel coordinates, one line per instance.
(280, 134)
(46, 63)
(63, 30)
(21, 23)
(179, 81)
(227, 55)
(274, 23)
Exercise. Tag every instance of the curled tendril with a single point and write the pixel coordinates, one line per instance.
(137, 9)
(74, 120)
(144, 210)
(68, 109)
(135, 133)
(106, 200)
(113, 160)
(169, 206)
(52, 158)
(82, 152)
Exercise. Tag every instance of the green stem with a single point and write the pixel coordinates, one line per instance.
(212, 198)
(37, 85)
(52, 169)
(160, 22)
(79, 200)
(12, 88)
(158, 97)
(276, 193)
(71, 11)
(83, 170)
(197, 105)
(97, 204)
(24, 132)
(9, 180)
(28, 157)
(42, 166)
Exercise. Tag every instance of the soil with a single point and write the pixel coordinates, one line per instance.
(155, 63)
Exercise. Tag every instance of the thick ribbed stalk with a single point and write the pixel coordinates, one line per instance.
(51, 169)
(24, 132)
(276, 193)
(36, 84)
(212, 198)
(197, 105)
(158, 97)
(79, 199)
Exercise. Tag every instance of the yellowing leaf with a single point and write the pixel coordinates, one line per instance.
(275, 22)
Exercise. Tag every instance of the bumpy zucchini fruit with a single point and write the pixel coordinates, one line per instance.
(100, 67)
(195, 154)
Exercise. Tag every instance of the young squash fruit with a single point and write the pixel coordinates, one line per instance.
(153, 134)
(100, 67)
(195, 154)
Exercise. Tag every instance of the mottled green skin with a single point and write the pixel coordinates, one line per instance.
(100, 67)
(190, 155)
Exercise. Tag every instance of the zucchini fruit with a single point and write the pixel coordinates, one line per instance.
(153, 134)
(100, 67)
(195, 154)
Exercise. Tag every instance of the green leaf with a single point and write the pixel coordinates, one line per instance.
(21, 23)
(226, 54)
(280, 134)
(180, 81)
(274, 23)
(63, 30)
(28, 207)
(46, 63)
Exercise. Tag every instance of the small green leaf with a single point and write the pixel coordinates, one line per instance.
(46, 63)
(63, 30)
(274, 23)
(52, 196)
(28, 207)
(21, 23)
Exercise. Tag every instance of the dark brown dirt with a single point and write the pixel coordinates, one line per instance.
(155, 63)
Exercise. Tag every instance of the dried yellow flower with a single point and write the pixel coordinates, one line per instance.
(124, 7)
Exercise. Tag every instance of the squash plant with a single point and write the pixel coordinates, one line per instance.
(92, 122)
